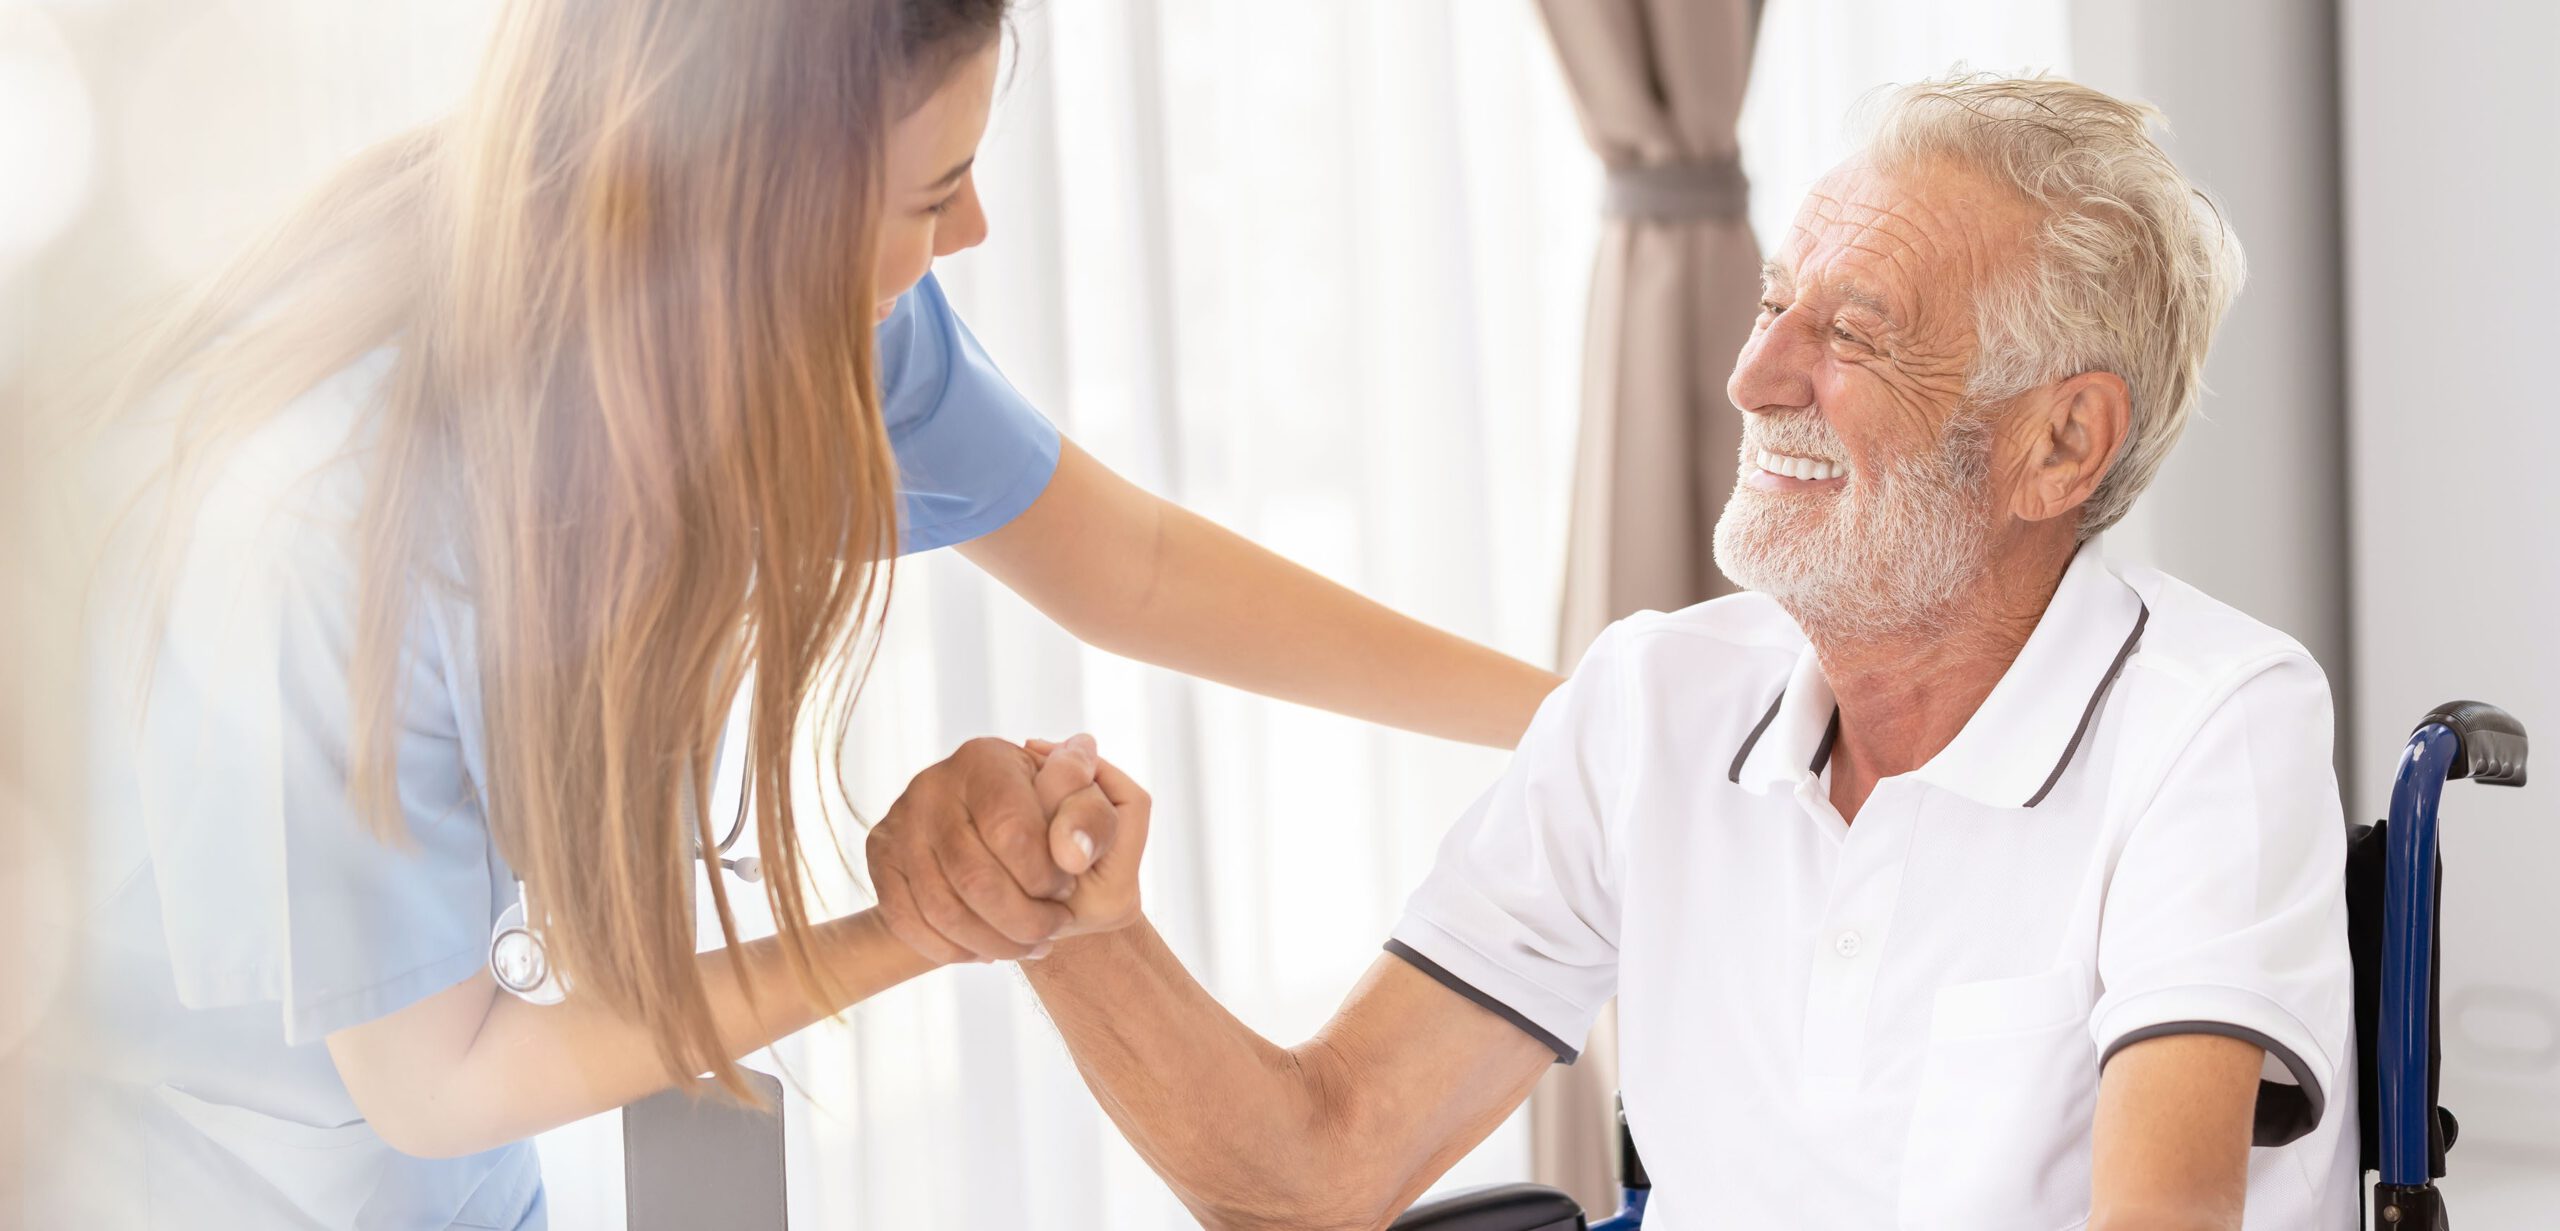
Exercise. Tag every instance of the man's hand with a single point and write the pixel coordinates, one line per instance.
(980, 859)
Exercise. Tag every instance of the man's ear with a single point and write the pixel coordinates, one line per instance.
(2076, 431)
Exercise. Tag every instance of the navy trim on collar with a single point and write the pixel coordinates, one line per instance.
(1734, 775)
(2113, 669)
(2088, 714)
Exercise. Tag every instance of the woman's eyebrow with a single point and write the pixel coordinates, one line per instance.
(953, 175)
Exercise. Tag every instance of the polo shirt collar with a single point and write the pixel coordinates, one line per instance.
(2015, 748)
(1792, 741)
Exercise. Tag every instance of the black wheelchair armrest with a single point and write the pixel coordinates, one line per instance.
(1496, 1207)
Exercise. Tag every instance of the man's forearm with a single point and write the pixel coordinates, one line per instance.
(1247, 1133)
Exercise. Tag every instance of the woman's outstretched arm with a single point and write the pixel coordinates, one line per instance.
(1132, 573)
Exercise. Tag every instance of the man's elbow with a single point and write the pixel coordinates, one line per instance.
(1312, 1206)
(1334, 1170)
(1309, 1191)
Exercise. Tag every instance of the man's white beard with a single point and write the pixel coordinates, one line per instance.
(1887, 554)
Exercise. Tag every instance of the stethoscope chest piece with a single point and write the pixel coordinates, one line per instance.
(520, 962)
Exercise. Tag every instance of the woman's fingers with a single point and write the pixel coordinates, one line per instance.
(1062, 770)
(1120, 788)
(1106, 895)
(1082, 830)
(1081, 822)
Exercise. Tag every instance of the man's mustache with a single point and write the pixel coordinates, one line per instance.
(1802, 435)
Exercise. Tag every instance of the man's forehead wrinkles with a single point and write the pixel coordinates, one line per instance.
(1819, 211)
(1897, 227)
(1882, 252)
(1893, 227)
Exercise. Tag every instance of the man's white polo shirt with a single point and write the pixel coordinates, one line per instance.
(1902, 1021)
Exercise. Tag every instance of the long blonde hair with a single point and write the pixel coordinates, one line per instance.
(634, 417)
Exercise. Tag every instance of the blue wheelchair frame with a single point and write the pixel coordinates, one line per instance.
(2462, 739)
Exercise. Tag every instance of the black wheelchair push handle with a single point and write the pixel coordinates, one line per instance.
(2493, 742)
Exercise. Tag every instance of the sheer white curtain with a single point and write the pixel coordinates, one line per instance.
(1818, 58)
(1317, 271)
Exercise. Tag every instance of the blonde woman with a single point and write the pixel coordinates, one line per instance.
(488, 483)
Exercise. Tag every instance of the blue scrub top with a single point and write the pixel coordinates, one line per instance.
(241, 909)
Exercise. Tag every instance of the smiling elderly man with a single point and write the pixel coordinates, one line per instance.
(1956, 876)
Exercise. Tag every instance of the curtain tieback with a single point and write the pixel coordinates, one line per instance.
(1714, 190)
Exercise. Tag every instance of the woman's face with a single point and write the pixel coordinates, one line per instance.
(932, 203)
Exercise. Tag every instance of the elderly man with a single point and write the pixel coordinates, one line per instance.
(1955, 876)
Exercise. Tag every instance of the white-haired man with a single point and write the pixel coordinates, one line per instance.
(1955, 877)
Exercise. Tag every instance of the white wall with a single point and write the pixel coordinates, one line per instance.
(2250, 507)
(2452, 171)
(2366, 472)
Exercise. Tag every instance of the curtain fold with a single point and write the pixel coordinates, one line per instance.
(1658, 86)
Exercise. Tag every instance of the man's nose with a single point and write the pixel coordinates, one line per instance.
(1774, 372)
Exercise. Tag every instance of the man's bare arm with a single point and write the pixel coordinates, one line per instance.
(1342, 1131)
(2172, 1136)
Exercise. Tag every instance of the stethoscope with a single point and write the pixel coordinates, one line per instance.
(521, 963)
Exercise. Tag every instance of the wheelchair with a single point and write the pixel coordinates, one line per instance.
(2393, 878)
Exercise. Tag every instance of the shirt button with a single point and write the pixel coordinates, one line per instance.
(1847, 945)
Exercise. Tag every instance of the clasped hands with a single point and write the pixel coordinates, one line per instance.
(1002, 849)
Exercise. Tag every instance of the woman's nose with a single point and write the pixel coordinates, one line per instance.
(964, 223)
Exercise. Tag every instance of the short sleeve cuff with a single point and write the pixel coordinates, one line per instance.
(1035, 464)
(2231, 1013)
(1543, 1015)
(309, 1020)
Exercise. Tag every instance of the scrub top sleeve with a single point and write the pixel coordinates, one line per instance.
(972, 453)
(2226, 914)
(272, 886)
(1520, 912)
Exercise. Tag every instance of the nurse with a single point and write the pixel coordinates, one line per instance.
(470, 502)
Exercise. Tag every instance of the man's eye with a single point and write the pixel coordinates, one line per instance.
(1842, 332)
(1771, 309)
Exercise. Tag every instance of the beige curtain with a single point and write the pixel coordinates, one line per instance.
(1658, 85)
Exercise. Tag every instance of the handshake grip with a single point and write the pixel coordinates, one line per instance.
(1001, 849)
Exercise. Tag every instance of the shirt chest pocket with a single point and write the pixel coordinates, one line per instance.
(1999, 1133)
